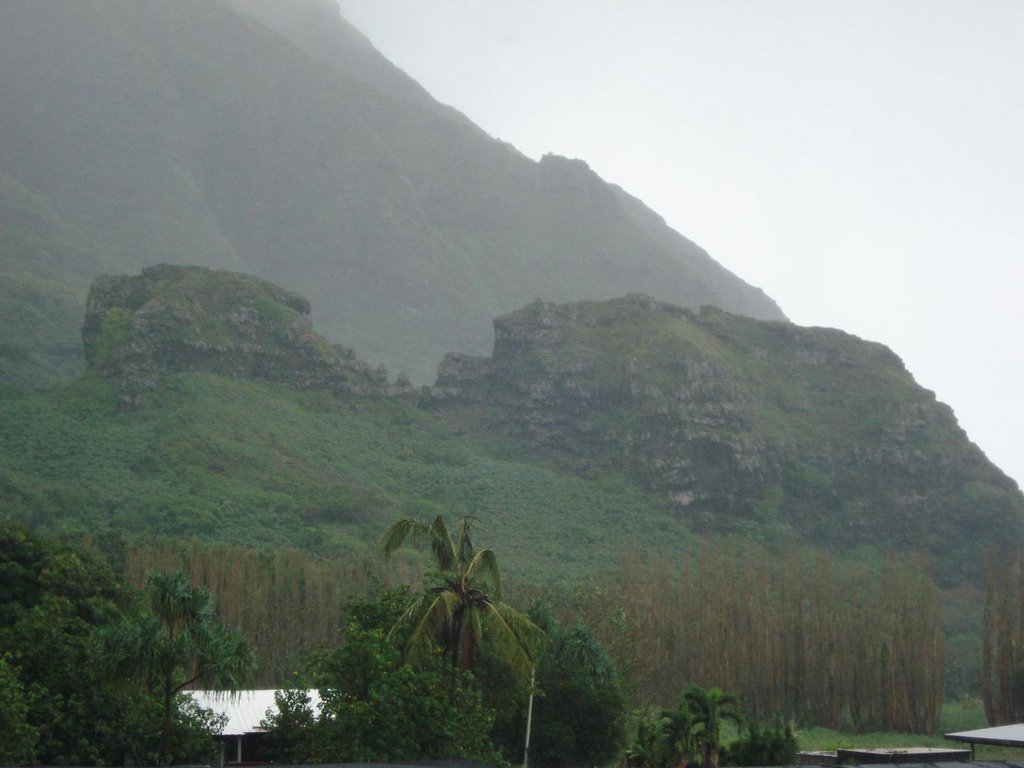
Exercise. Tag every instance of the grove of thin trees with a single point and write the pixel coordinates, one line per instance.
(822, 640)
(840, 642)
(1002, 680)
(285, 602)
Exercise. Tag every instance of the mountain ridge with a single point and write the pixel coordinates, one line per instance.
(136, 133)
(736, 423)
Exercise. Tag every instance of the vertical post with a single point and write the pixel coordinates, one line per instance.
(529, 717)
(238, 757)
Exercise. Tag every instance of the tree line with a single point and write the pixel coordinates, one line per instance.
(828, 641)
(286, 603)
(825, 641)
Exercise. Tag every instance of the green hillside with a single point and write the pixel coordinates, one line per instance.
(264, 466)
(271, 138)
(213, 410)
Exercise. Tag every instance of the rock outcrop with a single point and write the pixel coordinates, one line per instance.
(173, 319)
(739, 424)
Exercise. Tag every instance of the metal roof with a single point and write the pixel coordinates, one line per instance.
(1002, 735)
(245, 710)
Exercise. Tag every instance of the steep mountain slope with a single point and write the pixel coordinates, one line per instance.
(738, 425)
(272, 138)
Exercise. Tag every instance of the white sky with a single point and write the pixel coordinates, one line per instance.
(862, 161)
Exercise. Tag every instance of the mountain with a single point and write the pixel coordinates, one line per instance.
(212, 409)
(271, 138)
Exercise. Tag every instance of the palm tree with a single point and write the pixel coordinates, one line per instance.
(648, 748)
(709, 708)
(173, 642)
(677, 733)
(456, 613)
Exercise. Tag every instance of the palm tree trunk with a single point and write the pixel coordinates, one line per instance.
(165, 742)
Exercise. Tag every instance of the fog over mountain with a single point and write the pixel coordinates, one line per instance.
(272, 138)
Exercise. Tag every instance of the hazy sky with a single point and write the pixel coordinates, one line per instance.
(861, 161)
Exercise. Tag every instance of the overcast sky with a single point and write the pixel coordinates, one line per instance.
(860, 161)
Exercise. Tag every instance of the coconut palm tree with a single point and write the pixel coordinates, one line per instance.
(173, 642)
(709, 708)
(466, 604)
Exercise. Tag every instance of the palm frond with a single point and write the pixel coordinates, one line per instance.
(429, 628)
(464, 541)
(517, 639)
(484, 567)
(407, 528)
(441, 545)
(177, 603)
(226, 660)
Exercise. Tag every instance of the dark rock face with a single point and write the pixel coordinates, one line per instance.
(738, 424)
(190, 319)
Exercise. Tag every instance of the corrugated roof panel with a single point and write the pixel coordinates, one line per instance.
(1005, 735)
(245, 710)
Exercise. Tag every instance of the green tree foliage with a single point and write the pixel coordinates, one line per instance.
(17, 736)
(290, 730)
(172, 642)
(650, 747)
(675, 731)
(376, 707)
(710, 709)
(579, 711)
(455, 613)
(759, 744)
(690, 734)
(52, 598)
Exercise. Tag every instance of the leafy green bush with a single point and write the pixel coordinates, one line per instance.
(760, 744)
(377, 708)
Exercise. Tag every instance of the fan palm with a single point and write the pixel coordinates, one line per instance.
(456, 613)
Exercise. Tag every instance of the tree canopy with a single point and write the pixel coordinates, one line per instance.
(174, 642)
(464, 604)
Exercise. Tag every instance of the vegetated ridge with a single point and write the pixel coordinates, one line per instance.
(174, 318)
(271, 138)
(737, 424)
(212, 409)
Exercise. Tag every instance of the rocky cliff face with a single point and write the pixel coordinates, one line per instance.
(738, 424)
(190, 319)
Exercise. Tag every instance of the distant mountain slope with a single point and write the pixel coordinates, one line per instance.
(270, 137)
(739, 425)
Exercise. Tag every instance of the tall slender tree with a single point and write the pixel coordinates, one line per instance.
(173, 642)
(456, 613)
